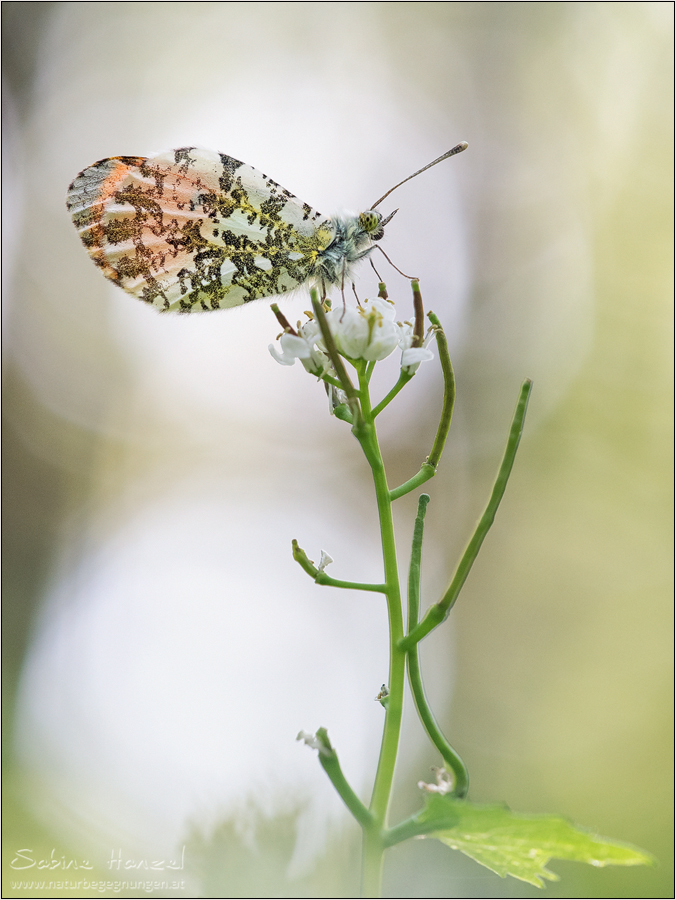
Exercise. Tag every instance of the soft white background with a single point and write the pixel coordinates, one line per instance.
(177, 649)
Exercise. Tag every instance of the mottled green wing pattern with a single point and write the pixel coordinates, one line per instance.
(192, 230)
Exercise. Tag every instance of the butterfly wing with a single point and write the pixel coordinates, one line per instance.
(192, 230)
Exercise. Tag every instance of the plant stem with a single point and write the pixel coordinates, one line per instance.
(426, 472)
(430, 724)
(373, 835)
(449, 393)
(438, 612)
(429, 467)
(322, 578)
(404, 378)
(328, 759)
(334, 356)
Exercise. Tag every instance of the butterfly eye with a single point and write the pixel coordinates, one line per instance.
(369, 221)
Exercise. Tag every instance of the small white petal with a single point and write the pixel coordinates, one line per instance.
(384, 307)
(280, 357)
(413, 356)
(309, 739)
(310, 331)
(416, 355)
(405, 335)
(428, 337)
(444, 782)
(295, 345)
(324, 561)
(317, 363)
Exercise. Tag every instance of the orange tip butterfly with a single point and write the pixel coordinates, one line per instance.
(192, 230)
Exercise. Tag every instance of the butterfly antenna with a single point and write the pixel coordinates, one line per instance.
(457, 149)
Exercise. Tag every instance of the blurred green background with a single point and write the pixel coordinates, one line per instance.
(546, 249)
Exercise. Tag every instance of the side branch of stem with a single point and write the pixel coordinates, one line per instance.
(429, 467)
(429, 722)
(320, 577)
(437, 613)
(404, 378)
(328, 759)
(426, 472)
(449, 393)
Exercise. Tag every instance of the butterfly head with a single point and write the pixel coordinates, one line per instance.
(373, 223)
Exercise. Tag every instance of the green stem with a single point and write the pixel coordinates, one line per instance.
(382, 788)
(329, 380)
(429, 467)
(322, 578)
(336, 360)
(426, 472)
(412, 827)
(328, 759)
(437, 613)
(404, 378)
(450, 757)
(449, 392)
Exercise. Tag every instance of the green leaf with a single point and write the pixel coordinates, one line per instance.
(520, 845)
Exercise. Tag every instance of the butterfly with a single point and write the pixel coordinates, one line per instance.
(193, 230)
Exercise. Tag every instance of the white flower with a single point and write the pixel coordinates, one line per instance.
(367, 332)
(293, 347)
(411, 357)
(302, 346)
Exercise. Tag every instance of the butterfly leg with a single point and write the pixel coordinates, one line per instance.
(375, 270)
(410, 277)
(342, 291)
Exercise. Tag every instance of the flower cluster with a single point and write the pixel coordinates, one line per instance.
(367, 332)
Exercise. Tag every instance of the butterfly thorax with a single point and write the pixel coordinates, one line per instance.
(352, 241)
